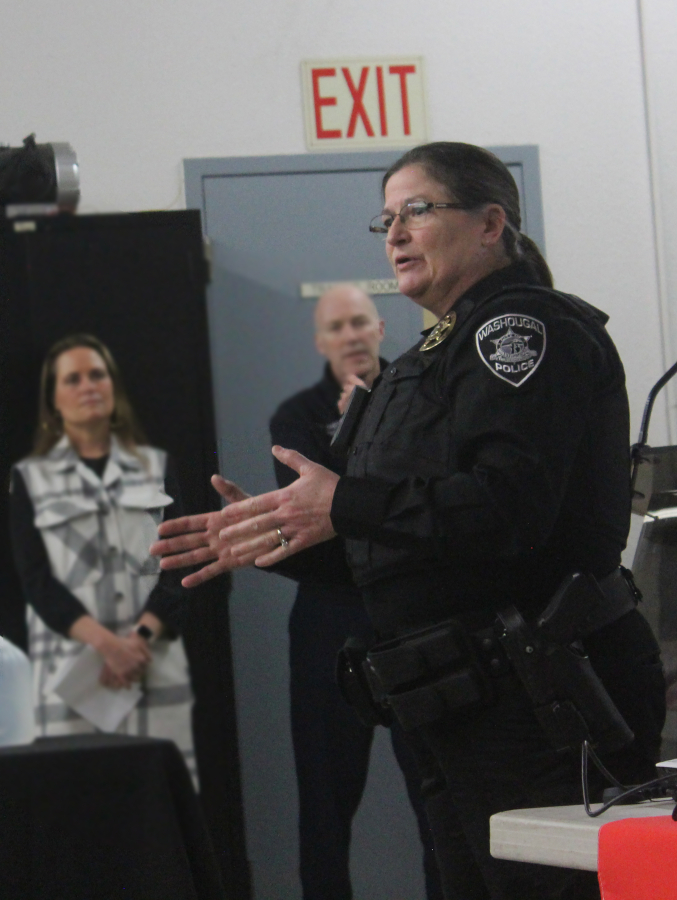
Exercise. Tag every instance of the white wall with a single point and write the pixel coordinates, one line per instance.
(138, 86)
(659, 32)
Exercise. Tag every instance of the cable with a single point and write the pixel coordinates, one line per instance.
(658, 788)
(600, 765)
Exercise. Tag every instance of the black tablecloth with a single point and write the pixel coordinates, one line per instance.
(97, 817)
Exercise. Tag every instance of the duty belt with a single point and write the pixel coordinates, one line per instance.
(443, 646)
(427, 673)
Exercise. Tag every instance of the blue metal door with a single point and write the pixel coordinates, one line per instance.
(279, 225)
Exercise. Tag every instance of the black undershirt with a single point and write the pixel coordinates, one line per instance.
(97, 464)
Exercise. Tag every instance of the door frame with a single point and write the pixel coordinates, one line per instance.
(197, 171)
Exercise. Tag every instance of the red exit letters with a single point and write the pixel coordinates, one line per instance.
(364, 102)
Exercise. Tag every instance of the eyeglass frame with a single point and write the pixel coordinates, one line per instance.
(383, 229)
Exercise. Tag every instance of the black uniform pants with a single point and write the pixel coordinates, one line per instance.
(332, 747)
(498, 759)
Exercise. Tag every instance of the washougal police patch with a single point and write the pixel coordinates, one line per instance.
(512, 346)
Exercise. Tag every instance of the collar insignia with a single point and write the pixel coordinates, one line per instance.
(440, 332)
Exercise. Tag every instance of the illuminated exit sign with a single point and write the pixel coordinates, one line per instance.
(363, 103)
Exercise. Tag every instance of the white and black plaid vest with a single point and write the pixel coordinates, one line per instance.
(97, 532)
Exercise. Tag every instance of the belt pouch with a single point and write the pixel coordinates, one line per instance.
(428, 673)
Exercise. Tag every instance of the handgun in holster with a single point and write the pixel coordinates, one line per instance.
(570, 701)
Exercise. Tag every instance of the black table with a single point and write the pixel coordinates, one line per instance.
(93, 817)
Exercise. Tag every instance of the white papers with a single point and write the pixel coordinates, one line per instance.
(76, 681)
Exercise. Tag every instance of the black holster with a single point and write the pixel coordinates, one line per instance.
(570, 702)
(352, 681)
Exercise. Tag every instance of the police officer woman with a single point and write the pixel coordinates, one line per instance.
(491, 463)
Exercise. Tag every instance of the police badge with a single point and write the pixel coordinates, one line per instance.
(440, 332)
(512, 346)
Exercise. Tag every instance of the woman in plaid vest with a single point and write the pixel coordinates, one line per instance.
(85, 507)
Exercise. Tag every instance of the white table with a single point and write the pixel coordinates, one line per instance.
(560, 835)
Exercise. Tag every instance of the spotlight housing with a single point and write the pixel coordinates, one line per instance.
(44, 174)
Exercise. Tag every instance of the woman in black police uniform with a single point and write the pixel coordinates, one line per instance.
(492, 462)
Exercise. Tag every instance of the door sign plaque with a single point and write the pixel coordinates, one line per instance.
(311, 290)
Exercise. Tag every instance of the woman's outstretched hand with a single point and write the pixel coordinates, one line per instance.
(272, 526)
(249, 529)
(194, 540)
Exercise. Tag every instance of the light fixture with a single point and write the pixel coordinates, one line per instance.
(39, 178)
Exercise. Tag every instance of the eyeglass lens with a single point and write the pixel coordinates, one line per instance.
(411, 213)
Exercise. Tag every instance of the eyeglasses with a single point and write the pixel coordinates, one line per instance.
(413, 215)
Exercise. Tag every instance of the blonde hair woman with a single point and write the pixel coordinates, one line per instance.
(84, 508)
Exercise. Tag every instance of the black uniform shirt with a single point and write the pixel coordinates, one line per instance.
(306, 422)
(486, 469)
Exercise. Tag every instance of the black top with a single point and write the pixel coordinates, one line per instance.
(486, 469)
(306, 422)
(96, 464)
(52, 601)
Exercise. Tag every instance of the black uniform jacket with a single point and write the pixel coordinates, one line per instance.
(306, 422)
(486, 469)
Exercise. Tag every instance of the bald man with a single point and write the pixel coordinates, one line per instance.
(331, 746)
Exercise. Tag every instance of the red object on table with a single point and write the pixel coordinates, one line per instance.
(637, 859)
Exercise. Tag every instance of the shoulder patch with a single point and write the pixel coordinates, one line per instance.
(512, 346)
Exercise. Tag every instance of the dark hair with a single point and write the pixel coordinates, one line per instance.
(50, 425)
(474, 177)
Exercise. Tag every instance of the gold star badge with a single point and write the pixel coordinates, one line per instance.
(440, 332)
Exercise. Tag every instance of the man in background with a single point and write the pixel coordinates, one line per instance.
(331, 745)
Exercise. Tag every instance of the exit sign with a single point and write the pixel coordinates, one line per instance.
(364, 103)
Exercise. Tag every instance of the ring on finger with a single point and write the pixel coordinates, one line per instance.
(283, 540)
